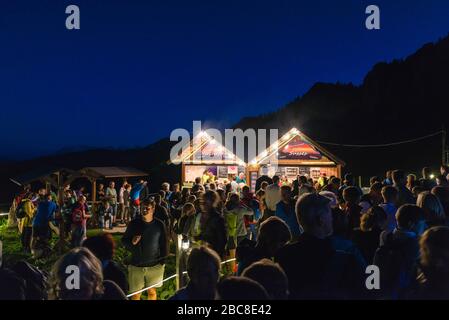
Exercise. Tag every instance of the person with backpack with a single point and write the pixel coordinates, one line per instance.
(25, 213)
(398, 252)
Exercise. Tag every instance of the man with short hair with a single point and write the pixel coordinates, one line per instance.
(315, 270)
(285, 209)
(390, 198)
(45, 214)
(203, 269)
(146, 239)
(426, 182)
(405, 196)
(272, 197)
(111, 195)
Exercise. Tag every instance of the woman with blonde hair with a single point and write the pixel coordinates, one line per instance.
(78, 275)
(433, 209)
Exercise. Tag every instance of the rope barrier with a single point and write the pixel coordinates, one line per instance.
(381, 145)
(166, 279)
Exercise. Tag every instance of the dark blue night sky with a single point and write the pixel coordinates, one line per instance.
(138, 69)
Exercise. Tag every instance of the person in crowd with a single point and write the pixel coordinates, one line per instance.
(121, 203)
(262, 179)
(349, 181)
(351, 196)
(417, 190)
(111, 195)
(313, 267)
(197, 186)
(367, 237)
(271, 276)
(405, 196)
(433, 209)
(147, 241)
(205, 178)
(241, 179)
(212, 224)
(264, 185)
(203, 269)
(185, 223)
(374, 179)
(234, 215)
(333, 185)
(272, 197)
(161, 212)
(412, 182)
(81, 192)
(426, 182)
(101, 193)
(443, 194)
(285, 210)
(185, 194)
(235, 187)
(103, 247)
(398, 252)
(390, 198)
(126, 203)
(136, 195)
(92, 286)
(341, 236)
(444, 171)
(433, 277)
(388, 181)
(175, 196)
(274, 233)
(25, 212)
(105, 215)
(166, 188)
(372, 198)
(240, 288)
(41, 233)
(441, 180)
(79, 222)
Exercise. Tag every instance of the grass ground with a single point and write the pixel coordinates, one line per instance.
(12, 252)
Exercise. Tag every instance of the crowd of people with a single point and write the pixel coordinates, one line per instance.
(303, 239)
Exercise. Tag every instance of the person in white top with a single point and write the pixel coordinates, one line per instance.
(272, 197)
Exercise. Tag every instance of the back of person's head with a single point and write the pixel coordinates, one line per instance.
(274, 233)
(240, 288)
(349, 179)
(314, 214)
(203, 269)
(90, 272)
(286, 192)
(209, 200)
(351, 195)
(271, 276)
(389, 194)
(340, 222)
(408, 216)
(374, 179)
(335, 181)
(263, 185)
(102, 246)
(376, 187)
(434, 258)
(398, 177)
(332, 198)
(443, 194)
(188, 209)
(198, 180)
(276, 179)
(433, 209)
(158, 199)
(426, 171)
(162, 193)
(374, 217)
(303, 179)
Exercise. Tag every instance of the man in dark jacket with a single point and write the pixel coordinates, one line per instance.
(405, 196)
(314, 269)
(213, 228)
(146, 239)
